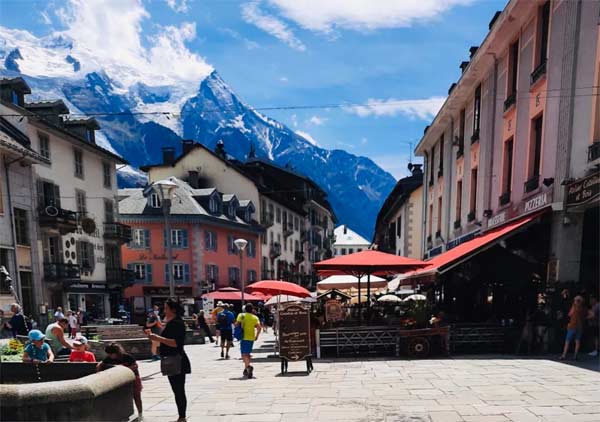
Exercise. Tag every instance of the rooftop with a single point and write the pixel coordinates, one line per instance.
(345, 236)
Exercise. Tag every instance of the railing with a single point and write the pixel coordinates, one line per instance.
(51, 216)
(510, 101)
(118, 231)
(538, 72)
(594, 151)
(275, 250)
(460, 151)
(288, 229)
(532, 184)
(54, 271)
(457, 224)
(475, 136)
(471, 216)
(504, 198)
(120, 276)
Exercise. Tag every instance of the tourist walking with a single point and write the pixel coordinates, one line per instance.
(225, 320)
(251, 328)
(72, 324)
(154, 325)
(16, 323)
(37, 351)
(55, 334)
(203, 325)
(116, 355)
(174, 362)
(58, 314)
(214, 314)
(80, 352)
(577, 315)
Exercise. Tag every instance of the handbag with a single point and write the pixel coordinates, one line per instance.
(170, 365)
(238, 331)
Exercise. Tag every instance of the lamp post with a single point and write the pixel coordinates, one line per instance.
(241, 245)
(165, 188)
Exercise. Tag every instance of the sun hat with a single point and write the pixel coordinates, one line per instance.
(80, 341)
(219, 303)
(36, 335)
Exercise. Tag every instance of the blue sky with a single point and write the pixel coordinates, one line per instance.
(396, 58)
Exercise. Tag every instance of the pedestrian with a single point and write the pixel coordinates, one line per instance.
(37, 351)
(80, 352)
(154, 325)
(251, 328)
(594, 323)
(58, 314)
(214, 314)
(55, 333)
(225, 320)
(577, 315)
(174, 362)
(116, 355)
(72, 324)
(203, 325)
(16, 323)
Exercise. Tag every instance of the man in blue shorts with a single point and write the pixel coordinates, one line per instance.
(225, 321)
(251, 330)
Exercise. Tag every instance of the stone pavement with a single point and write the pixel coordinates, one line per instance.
(482, 389)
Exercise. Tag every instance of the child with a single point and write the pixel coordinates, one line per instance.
(80, 352)
(72, 324)
(37, 351)
(115, 355)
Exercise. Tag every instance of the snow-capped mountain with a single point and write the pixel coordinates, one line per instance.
(206, 113)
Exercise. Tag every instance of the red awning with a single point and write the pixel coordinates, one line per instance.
(464, 251)
(367, 262)
(231, 294)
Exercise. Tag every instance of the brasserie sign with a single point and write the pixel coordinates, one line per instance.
(583, 190)
(294, 332)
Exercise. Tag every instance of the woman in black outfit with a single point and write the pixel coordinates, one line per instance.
(171, 343)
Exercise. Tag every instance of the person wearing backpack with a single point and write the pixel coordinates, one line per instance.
(225, 320)
(251, 328)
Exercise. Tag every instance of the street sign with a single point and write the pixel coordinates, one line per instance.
(294, 333)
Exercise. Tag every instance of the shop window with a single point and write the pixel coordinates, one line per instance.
(107, 175)
(140, 239)
(179, 238)
(78, 162)
(210, 240)
(21, 227)
(44, 145)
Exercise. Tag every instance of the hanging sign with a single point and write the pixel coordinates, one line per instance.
(583, 190)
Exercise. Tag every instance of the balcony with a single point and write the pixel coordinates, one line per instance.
(440, 172)
(288, 229)
(532, 184)
(120, 276)
(52, 217)
(504, 198)
(298, 257)
(538, 72)
(59, 272)
(117, 231)
(594, 151)
(429, 239)
(460, 151)
(457, 224)
(471, 216)
(475, 136)
(510, 101)
(267, 219)
(275, 250)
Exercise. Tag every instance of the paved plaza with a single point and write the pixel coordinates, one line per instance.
(466, 388)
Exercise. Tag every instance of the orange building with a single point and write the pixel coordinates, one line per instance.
(204, 224)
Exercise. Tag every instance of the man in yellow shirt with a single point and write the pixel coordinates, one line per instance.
(251, 330)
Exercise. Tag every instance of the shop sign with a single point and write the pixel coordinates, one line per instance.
(333, 310)
(164, 291)
(583, 190)
(294, 332)
(532, 204)
(536, 202)
(86, 286)
(455, 242)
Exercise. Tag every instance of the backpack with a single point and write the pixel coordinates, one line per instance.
(238, 332)
(222, 320)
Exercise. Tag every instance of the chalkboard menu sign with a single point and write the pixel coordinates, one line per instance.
(294, 332)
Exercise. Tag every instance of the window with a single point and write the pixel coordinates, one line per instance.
(473, 200)
(78, 161)
(21, 227)
(212, 273)
(278, 215)
(251, 249)
(181, 273)
(350, 251)
(179, 238)
(543, 26)
(231, 248)
(81, 202)
(508, 163)
(140, 239)
(213, 205)
(535, 149)
(234, 275)
(458, 200)
(441, 166)
(231, 210)
(48, 194)
(89, 135)
(154, 200)
(297, 222)
(4, 283)
(399, 226)
(359, 250)
(430, 222)
(251, 276)
(271, 212)
(285, 219)
(439, 215)
(109, 211)
(476, 114)
(107, 175)
(513, 70)
(263, 237)
(143, 272)
(44, 145)
(343, 251)
(461, 133)
(14, 97)
(431, 166)
(210, 241)
(85, 255)
(296, 246)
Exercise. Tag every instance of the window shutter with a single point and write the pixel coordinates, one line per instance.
(206, 240)
(91, 258)
(207, 273)
(186, 273)
(78, 250)
(215, 242)
(40, 194)
(184, 238)
(167, 275)
(165, 238)
(56, 196)
(146, 239)
(149, 273)
(216, 274)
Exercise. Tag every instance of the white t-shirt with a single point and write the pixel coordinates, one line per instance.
(72, 321)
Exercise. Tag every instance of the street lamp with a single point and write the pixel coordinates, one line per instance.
(165, 188)
(241, 245)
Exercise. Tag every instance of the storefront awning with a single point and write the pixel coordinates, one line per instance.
(467, 250)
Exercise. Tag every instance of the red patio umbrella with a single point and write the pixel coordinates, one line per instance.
(230, 293)
(278, 287)
(366, 263)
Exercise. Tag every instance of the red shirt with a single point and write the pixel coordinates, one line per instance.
(77, 356)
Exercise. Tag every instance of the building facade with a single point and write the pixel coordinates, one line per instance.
(347, 241)
(204, 224)
(516, 130)
(399, 222)
(77, 232)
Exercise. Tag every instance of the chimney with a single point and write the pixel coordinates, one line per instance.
(451, 88)
(187, 145)
(168, 155)
(220, 149)
(193, 179)
(472, 51)
(417, 169)
(345, 229)
(463, 66)
(494, 19)
(426, 129)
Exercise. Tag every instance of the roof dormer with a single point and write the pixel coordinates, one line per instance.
(49, 110)
(13, 90)
(230, 205)
(245, 210)
(84, 128)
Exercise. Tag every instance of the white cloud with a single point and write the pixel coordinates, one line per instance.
(364, 141)
(294, 119)
(308, 137)
(326, 15)
(424, 109)
(252, 14)
(317, 121)
(45, 17)
(181, 6)
(284, 79)
(250, 45)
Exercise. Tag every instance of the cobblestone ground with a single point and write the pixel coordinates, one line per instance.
(482, 389)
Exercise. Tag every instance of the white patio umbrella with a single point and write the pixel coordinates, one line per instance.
(415, 298)
(342, 282)
(389, 298)
(288, 298)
